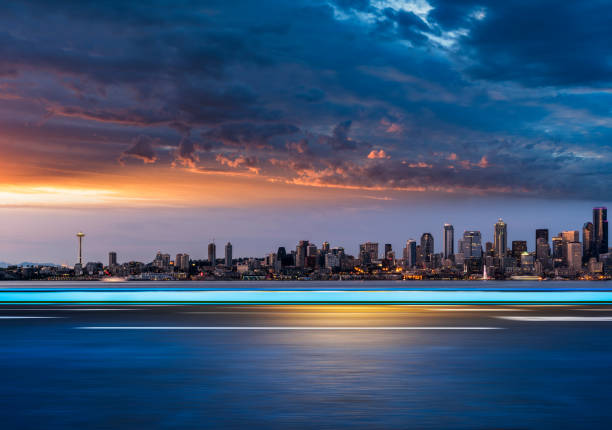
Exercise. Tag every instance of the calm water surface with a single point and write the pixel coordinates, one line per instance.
(98, 367)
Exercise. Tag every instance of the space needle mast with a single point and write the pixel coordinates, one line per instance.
(80, 235)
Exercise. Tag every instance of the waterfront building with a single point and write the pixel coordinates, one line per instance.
(449, 241)
(527, 261)
(229, 254)
(600, 230)
(501, 238)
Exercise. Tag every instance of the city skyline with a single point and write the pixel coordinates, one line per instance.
(499, 242)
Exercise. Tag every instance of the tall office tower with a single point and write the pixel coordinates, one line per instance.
(568, 236)
(388, 249)
(162, 261)
(212, 254)
(543, 252)
(501, 238)
(370, 248)
(300, 253)
(311, 250)
(574, 256)
(557, 250)
(229, 254)
(489, 249)
(600, 230)
(541, 233)
(449, 241)
(588, 244)
(410, 253)
(325, 247)
(471, 244)
(177, 261)
(184, 265)
(112, 259)
(427, 247)
(518, 247)
(281, 254)
(80, 235)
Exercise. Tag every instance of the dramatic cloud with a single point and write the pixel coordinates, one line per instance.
(464, 96)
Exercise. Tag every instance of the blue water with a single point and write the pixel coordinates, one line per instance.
(526, 375)
(306, 292)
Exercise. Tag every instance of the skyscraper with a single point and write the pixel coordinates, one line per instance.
(427, 247)
(449, 241)
(557, 250)
(112, 259)
(541, 233)
(471, 244)
(369, 248)
(300, 253)
(212, 254)
(501, 238)
(388, 249)
(543, 252)
(281, 255)
(574, 256)
(410, 253)
(600, 230)
(518, 247)
(229, 256)
(588, 244)
(325, 247)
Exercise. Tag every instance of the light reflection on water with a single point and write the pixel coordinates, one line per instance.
(529, 375)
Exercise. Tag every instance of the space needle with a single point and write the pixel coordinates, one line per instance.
(80, 235)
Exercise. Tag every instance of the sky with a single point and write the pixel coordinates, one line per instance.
(162, 125)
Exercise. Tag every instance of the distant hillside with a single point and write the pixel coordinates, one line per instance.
(30, 264)
(4, 265)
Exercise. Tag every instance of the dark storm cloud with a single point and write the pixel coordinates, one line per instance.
(536, 43)
(249, 135)
(485, 95)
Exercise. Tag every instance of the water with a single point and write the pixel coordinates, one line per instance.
(70, 372)
(308, 292)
